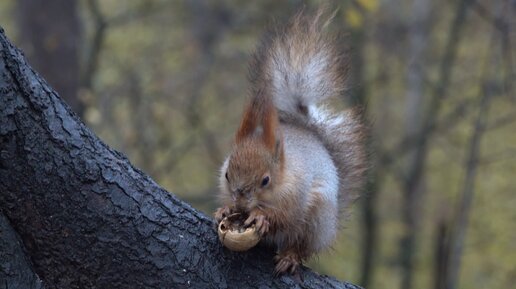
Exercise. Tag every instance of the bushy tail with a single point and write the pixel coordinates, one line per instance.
(299, 66)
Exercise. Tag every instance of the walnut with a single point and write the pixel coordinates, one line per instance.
(235, 236)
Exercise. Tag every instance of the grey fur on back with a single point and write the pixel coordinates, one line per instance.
(301, 66)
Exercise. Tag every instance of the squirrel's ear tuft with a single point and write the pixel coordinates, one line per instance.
(248, 125)
(260, 120)
(270, 125)
(278, 150)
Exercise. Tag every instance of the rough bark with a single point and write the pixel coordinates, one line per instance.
(89, 219)
(15, 268)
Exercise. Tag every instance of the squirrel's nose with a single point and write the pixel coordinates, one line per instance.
(240, 191)
(241, 204)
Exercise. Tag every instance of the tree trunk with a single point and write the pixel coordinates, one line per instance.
(418, 158)
(413, 189)
(50, 34)
(15, 268)
(89, 219)
(369, 217)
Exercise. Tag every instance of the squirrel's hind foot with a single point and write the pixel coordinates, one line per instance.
(287, 262)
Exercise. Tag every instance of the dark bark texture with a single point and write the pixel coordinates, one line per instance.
(15, 268)
(88, 219)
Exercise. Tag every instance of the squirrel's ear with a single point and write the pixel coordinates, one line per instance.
(270, 126)
(260, 120)
(278, 150)
(247, 126)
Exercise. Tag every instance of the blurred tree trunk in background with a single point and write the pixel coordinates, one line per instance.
(208, 25)
(413, 187)
(459, 225)
(359, 98)
(50, 35)
(416, 168)
(461, 221)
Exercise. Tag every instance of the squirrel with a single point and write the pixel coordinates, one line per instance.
(295, 165)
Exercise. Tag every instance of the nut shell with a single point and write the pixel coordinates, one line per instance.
(235, 239)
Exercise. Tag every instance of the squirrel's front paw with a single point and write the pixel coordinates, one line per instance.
(260, 222)
(221, 213)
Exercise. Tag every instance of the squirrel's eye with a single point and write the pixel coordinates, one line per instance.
(227, 179)
(265, 181)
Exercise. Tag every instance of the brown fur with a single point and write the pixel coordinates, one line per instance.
(294, 69)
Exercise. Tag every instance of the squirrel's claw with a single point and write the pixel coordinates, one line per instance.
(286, 263)
(221, 213)
(260, 221)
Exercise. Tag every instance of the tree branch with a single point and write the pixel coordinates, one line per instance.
(89, 219)
(458, 233)
(15, 269)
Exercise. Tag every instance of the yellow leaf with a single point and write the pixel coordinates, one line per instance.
(353, 17)
(368, 5)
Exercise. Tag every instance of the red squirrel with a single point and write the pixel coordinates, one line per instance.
(295, 165)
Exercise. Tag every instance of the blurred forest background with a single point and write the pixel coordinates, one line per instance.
(164, 82)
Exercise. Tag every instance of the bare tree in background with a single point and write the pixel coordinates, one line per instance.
(458, 227)
(413, 187)
(209, 23)
(50, 35)
(414, 178)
